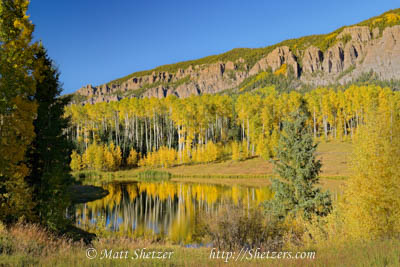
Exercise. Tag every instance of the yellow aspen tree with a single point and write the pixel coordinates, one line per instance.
(201, 156)
(172, 156)
(132, 159)
(213, 152)
(153, 159)
(341, 103)
(146, 160)
(166, 156)
(186, 155)
(371, 203)
(210, 153)
(85, 160)
(90, 155)
(98, 161)
(162, 156)
(195, 154)
(142, 161)
(245, 150)
(313, 106)
(17, 110)
(117, 156)
(236, 151)
(273, 142)
(109, 160)
(262, 149)
(76, 161)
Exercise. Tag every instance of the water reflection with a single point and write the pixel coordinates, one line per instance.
(163, 208)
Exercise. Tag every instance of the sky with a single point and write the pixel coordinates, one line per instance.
(96, 41)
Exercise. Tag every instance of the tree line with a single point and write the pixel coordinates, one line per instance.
(162, 132)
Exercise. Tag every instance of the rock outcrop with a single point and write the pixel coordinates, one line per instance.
(275, 59)
(312, 60)
(210, 78)
(364, 52)
(357, 50)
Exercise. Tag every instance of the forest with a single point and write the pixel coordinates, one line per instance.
(199, 129)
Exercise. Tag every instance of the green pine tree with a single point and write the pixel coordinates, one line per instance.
(296, 192)
(49, 155)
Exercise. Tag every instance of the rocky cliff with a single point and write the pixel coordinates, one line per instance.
(209, 78)
(339, 57)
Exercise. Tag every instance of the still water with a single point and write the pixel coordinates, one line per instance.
(167, 209)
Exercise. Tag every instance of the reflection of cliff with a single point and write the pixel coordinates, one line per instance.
(163, 208)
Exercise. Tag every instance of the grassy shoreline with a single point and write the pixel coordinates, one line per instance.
(29, 245)
(334, 158)
(251, 172)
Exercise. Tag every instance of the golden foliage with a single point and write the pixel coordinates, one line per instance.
(133, 158)
(236, 151)
(76, 161)
(282, 70)
(17, 110)
(372, 201)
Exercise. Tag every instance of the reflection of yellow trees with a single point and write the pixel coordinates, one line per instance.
(181, 229)
(209, 194)
(262, 194)
(132, 191)
(147, 207)
(201, 193)
(235, 195)
(148, 188)
(166, 190)
(112, 199)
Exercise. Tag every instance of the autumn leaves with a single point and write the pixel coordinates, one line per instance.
(206, 128)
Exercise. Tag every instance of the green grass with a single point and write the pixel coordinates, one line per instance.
(93, 177)
(153, 175)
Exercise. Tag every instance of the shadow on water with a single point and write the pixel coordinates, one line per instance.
(86, 193)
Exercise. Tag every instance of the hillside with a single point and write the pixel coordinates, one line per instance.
(338, 57)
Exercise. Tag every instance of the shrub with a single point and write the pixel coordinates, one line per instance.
(30, 240)
(234, 228)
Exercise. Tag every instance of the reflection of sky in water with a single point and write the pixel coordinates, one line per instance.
(164, 207)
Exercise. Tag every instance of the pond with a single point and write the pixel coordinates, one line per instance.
(167, 209)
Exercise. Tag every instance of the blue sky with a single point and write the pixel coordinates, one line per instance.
(95, 41)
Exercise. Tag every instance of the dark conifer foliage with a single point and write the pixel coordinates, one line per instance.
(49, 155)
(298, 168)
